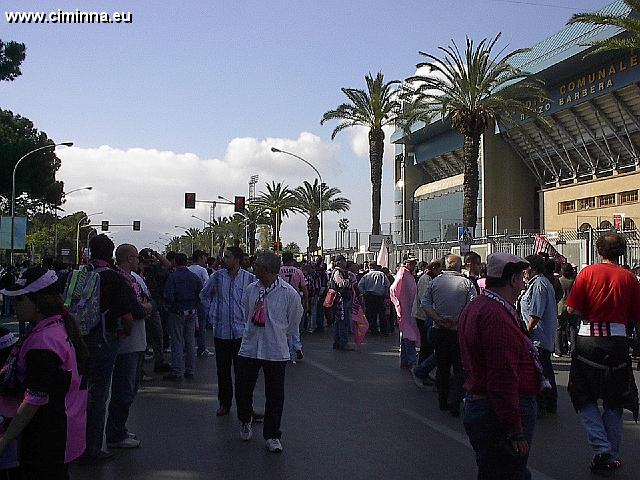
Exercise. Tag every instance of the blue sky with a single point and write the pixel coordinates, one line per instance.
(224, 80)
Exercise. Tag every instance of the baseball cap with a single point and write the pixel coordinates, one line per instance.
(496, 263)
(409, 257)
(32, 280)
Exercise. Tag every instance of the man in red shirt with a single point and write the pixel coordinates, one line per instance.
(502, 371)
(607, 298)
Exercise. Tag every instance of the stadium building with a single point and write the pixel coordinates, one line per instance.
(580, 174)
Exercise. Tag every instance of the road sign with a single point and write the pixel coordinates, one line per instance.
(618, 220)
(19, 232)
(464, 237)
(65, 252)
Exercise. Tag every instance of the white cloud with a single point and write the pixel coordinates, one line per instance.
(149, 185)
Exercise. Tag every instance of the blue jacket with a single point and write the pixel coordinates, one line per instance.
(182, 290)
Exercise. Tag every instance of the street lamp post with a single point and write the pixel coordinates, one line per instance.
(13, 187)
(277, 150)
(55, 228)
(78, 234)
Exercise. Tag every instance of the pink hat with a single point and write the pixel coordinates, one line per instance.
(496, 263)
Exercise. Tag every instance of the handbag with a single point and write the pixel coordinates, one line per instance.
(330, 298)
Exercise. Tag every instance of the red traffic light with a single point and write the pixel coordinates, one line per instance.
(104, 226)
(239, 204)
(136, 225)
(190, 200)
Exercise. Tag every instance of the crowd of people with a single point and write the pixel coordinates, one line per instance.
(490, 331)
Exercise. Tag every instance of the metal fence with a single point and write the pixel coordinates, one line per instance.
(579, 247)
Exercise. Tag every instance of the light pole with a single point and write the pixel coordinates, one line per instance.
(277, 150)
(78, 234)
(13, 186)
(55, 228)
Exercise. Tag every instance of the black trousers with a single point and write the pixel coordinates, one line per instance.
(447, 359)
(226, 357)
(248, 369)
(426, 348)
(374, 310)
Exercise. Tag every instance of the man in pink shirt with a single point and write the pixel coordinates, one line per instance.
(295, 277)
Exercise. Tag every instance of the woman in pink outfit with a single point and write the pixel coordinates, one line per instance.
(403, 292)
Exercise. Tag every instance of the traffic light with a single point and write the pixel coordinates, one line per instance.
(189, 200)
(105, 226)
(277, 246)
(239, 204)
(136, 225)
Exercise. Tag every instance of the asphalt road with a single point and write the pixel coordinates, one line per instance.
(347, 415)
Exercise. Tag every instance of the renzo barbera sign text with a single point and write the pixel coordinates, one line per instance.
(594, 83)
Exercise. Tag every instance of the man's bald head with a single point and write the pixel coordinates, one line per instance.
(124, 251)
(453, 262)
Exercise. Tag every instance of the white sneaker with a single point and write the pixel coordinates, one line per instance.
(126, 443)
(245, 431)
(274, 445)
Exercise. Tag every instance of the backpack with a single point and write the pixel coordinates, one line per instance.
(82, 298)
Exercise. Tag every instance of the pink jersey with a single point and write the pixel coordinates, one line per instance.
(293, 276)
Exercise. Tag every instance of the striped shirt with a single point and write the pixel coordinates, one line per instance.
(222, 299)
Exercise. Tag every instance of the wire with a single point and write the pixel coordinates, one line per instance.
(516, 2)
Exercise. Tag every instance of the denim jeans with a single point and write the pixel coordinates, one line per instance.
(311, 320)
(604, 431)
(99, 370)
(124, 387)
(183, 348)
(487, 436)
(408, 354)
(426, 367)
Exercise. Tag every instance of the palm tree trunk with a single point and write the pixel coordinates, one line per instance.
(471, 150)
(313, 229)
(252, 238)
(376, 151)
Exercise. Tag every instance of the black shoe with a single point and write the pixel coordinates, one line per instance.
(188, 375)
(172, 377)
(604, 464)
(299, 355)
(161, 368)
(102, 457)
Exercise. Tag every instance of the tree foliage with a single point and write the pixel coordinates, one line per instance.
(471, 89)
(12, 54)
(307, 198)
(374, 108)
(35, 176)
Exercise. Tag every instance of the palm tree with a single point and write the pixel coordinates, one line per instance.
(307, 197)
(343, 225)
(254, 216)
(194, 234)
(630, 23)
(279, 201)
(374, 109)
(471, 90)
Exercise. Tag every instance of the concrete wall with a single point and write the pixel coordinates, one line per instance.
(551, 198)
(509, 187)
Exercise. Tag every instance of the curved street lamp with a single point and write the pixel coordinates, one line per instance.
(78, 234)
(13, 186)
(277, 150)
(55, 230)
